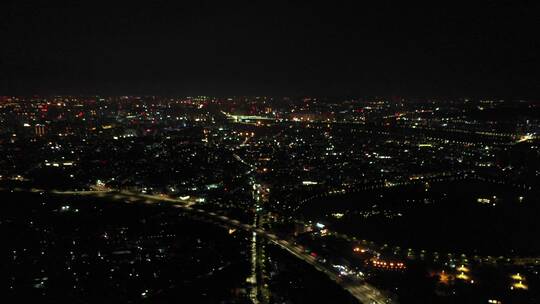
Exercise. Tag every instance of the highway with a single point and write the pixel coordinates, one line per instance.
(361, 290)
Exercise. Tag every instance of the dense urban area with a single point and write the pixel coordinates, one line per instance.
(269, 200)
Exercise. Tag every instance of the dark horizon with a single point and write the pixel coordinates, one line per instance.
(481, 50)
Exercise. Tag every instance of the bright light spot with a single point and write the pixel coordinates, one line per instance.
(520, 285)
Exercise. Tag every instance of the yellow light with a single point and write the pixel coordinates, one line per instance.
(520, 285)
(518, 277)
(462, 268)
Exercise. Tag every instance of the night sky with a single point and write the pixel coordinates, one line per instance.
(271, 48)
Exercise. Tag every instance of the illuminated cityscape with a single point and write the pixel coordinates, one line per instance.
(282, 152)
(381, 197)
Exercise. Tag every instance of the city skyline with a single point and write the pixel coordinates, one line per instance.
(270, 199)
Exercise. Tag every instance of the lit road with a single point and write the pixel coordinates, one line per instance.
(362, 291)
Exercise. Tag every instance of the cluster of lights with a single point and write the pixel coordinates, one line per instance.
(358, 249)
(518, 282)
(463, 274)
(388, 265)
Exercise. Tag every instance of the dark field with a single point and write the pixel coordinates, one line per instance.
(440, 217)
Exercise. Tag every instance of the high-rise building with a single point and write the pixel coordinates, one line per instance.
(40, 130)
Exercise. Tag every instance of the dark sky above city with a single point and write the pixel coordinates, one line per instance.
(482, 48)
